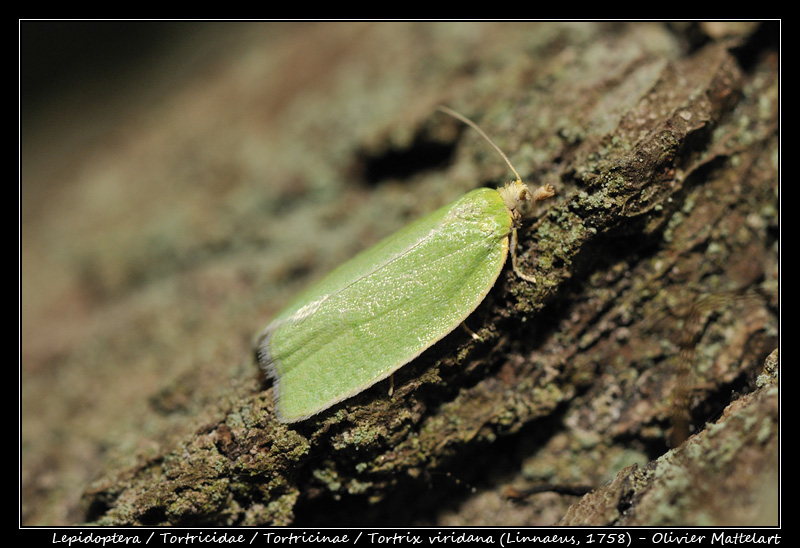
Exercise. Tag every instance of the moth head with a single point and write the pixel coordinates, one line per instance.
(520, 201)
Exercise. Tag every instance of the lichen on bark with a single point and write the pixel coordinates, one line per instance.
(662, 150)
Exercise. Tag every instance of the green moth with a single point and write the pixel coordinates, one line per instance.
(383, 308)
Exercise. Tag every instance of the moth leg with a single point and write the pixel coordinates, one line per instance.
(517, 271)
(470, 331)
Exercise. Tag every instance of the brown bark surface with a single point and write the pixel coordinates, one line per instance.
(164, 222)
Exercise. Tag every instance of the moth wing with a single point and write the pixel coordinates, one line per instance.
(383, 308)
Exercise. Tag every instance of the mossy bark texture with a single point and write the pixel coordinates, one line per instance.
(642, 363)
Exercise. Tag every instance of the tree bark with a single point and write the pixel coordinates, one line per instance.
(634, 359)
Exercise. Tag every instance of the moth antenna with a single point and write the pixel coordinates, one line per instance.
(474, 126)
